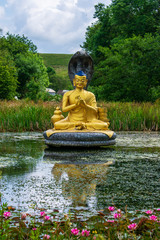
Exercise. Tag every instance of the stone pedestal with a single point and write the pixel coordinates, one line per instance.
(79, 138)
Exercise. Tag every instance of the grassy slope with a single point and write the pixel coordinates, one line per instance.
(58, 61)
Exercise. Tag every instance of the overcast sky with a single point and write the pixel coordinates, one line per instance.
(54, 26)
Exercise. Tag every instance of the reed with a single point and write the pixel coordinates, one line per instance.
(26, 115)
(23, 115)
(133, 116)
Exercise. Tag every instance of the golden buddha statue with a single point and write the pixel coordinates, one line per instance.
(82, 108)
(86, 124)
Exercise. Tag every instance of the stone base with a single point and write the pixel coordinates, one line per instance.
(79, 139)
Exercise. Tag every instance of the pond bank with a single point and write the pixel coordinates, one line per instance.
(22, 115)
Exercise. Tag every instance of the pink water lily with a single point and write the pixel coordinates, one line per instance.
(74, 231)
(42, 214)
(23, 216)
(153, 218)
(6, 214)
(117, 215)
(85, 233)
(132, 226)
(149, 211)
(47, 218)
(46, 236)
(110, 208)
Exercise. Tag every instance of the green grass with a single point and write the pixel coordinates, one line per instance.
(21, 115)
(58, 61)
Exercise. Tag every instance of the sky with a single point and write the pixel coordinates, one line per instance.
(54, 26)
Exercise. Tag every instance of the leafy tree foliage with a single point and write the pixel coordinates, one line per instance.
(122, 19)
(31, 72)
(130, 70)
(124, 43)
(8, 77)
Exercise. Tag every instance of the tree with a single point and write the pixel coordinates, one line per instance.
(8, 77)
(32, 75)
(122, 19)
(130, 71)
(31, 72)
(16, 44)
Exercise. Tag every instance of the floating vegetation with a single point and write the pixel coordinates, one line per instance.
(109, 223)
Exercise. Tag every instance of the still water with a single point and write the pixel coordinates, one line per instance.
(127, 174)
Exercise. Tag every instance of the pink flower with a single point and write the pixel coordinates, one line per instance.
(74, 231)
(46, 236)
(42, 213)
(153, 217)
(111, 221)
(149, 211)
(85, 233)
(34, 229)
(47, 218)
(117, 215)
(6, 214)
(110, 208)
(132, 226)
(23, 216)
(158, 209)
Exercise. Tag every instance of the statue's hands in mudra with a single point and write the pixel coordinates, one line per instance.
(81, 107)
(80, 102)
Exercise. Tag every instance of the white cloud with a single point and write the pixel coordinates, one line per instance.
(2, 12)
(53, 25)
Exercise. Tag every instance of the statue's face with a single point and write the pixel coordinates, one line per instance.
(80, 81)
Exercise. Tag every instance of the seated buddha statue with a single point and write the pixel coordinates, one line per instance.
(81, 107)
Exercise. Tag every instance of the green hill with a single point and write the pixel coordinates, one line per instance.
(58, 61)
(60, 64)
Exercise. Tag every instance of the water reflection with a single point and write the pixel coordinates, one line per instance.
(79, 181)
(125, 174)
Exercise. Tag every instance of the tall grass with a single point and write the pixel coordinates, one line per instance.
(24, 115)
(133, 116)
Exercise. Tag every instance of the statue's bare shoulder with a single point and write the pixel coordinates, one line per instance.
(67, 94)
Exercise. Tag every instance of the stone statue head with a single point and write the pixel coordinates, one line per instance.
(81, 61)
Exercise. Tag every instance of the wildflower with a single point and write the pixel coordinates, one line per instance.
(34, 229)
(153, 217)
(23, 216)
(94, 232)
(111, 221)
(46, 236)
(6, 214)
(132, 226)
(47, 218)
(42, 213)
(85, 233)
(158, 209)
(117, 215)
(74, 231)
(149, 211)
(110, 208)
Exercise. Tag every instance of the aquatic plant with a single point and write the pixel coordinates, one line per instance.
(102, 226)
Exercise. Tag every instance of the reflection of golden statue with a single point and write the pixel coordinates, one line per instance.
(82, 108)
(82, 180)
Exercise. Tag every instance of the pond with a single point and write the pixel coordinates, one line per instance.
(127, 174)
